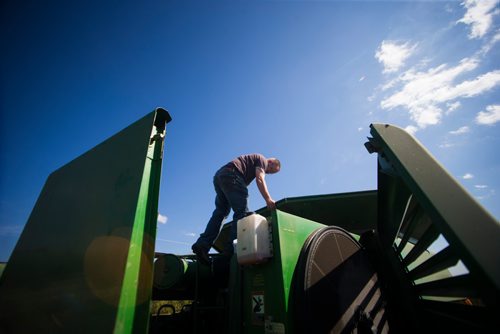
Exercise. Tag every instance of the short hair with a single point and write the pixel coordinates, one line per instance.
(277, 162)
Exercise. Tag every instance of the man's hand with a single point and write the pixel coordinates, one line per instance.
(261, 184)
(271, 204)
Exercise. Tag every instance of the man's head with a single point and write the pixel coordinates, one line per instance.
(273, 166)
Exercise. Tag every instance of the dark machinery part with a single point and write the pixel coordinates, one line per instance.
(336, 289)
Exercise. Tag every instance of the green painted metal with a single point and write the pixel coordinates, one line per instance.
(354, 211)
(169, 270)
(2, 267)
(271, 281)
(130, 312)
(83, 263)
(417, 202)
(235, 297)
(463, 221)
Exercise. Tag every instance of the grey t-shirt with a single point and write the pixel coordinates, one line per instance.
(246, 165)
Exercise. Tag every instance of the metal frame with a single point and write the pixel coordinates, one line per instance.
(418, 201)
(132, 316)
(84, 259)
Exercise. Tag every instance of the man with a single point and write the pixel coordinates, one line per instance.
(230, 183)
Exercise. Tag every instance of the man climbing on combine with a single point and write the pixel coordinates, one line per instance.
(230, 183)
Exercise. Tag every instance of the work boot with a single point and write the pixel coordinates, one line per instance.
(201, 254)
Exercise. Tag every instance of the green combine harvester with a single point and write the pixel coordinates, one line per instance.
(354, 262)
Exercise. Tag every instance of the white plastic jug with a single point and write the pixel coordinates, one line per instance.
(254, 240)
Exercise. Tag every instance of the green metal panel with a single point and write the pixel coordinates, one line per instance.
(270, 282)
(169, 270)
(418, 201)
(83, 263)
(2, 267)
(354, 211)
(465, 224)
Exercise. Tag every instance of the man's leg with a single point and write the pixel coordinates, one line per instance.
(237, 196)
(206, 239)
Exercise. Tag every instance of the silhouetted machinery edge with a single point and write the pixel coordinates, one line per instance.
(338, 263)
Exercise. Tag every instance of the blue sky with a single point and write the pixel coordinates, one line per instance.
(299, 80)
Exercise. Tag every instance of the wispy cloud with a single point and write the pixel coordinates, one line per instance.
(173, 241)
(452, 106)
(392, 55)
(483, 191)
(411, 129)
(190, 234)
(424, 93)
(162, 219)
(429, 93)
(479, 15)
(490, 116)
(468, 176)
(460, 131)
(486, 194)
(446, 145)
(489, 44)
(10, 230)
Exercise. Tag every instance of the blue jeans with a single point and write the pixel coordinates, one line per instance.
(232, 193)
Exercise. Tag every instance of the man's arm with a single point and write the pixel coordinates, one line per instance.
(261, 184)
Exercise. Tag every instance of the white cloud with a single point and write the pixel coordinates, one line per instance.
(173, 241)
(490, 193)
(490, 116)
(452, 106)
(479, 16)
(446, 145)
(362, 78)
(393, 55)
(474, 87)
(468, 176)
(460, 131)
(490, 44)
(190, 234)
(390, 84)
(360, 129)
(411, 129)
(422, 93)
(481, 186)
(448, 8)
(495, 38)
(162, 219)
(10, 230)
